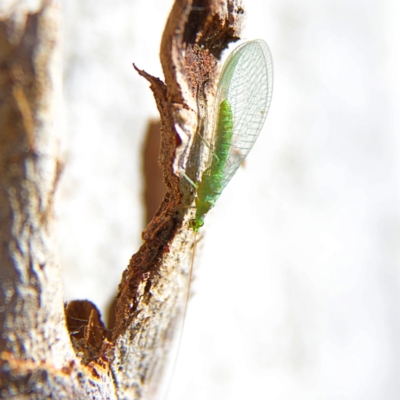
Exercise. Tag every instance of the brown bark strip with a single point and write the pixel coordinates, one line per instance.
(153, 290)
(154, 190)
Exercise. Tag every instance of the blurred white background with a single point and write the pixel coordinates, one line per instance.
(297, 289)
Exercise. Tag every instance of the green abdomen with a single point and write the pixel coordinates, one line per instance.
(209, 188)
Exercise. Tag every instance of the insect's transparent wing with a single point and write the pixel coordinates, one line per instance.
(246, 82)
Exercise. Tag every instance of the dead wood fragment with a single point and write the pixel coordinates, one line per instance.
(37, 359)
(153, 290)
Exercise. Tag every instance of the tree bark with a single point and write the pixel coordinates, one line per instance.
(41, 356)
(36, 355)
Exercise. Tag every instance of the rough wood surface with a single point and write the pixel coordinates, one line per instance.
(36, 355)
(153, 291)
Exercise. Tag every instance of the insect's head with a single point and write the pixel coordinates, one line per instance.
(196, 224)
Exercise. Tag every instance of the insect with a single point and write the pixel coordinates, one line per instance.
(243, 98)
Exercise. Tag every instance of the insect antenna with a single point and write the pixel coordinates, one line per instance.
(175, 361)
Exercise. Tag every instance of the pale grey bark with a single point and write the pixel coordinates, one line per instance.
(37, 359)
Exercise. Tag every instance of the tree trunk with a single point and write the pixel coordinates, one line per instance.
(41, 355)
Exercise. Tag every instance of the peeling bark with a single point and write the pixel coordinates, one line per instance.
(153, 291)
(37, 355)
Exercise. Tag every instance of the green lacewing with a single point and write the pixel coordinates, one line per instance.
(242, 101)
(243, 98)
